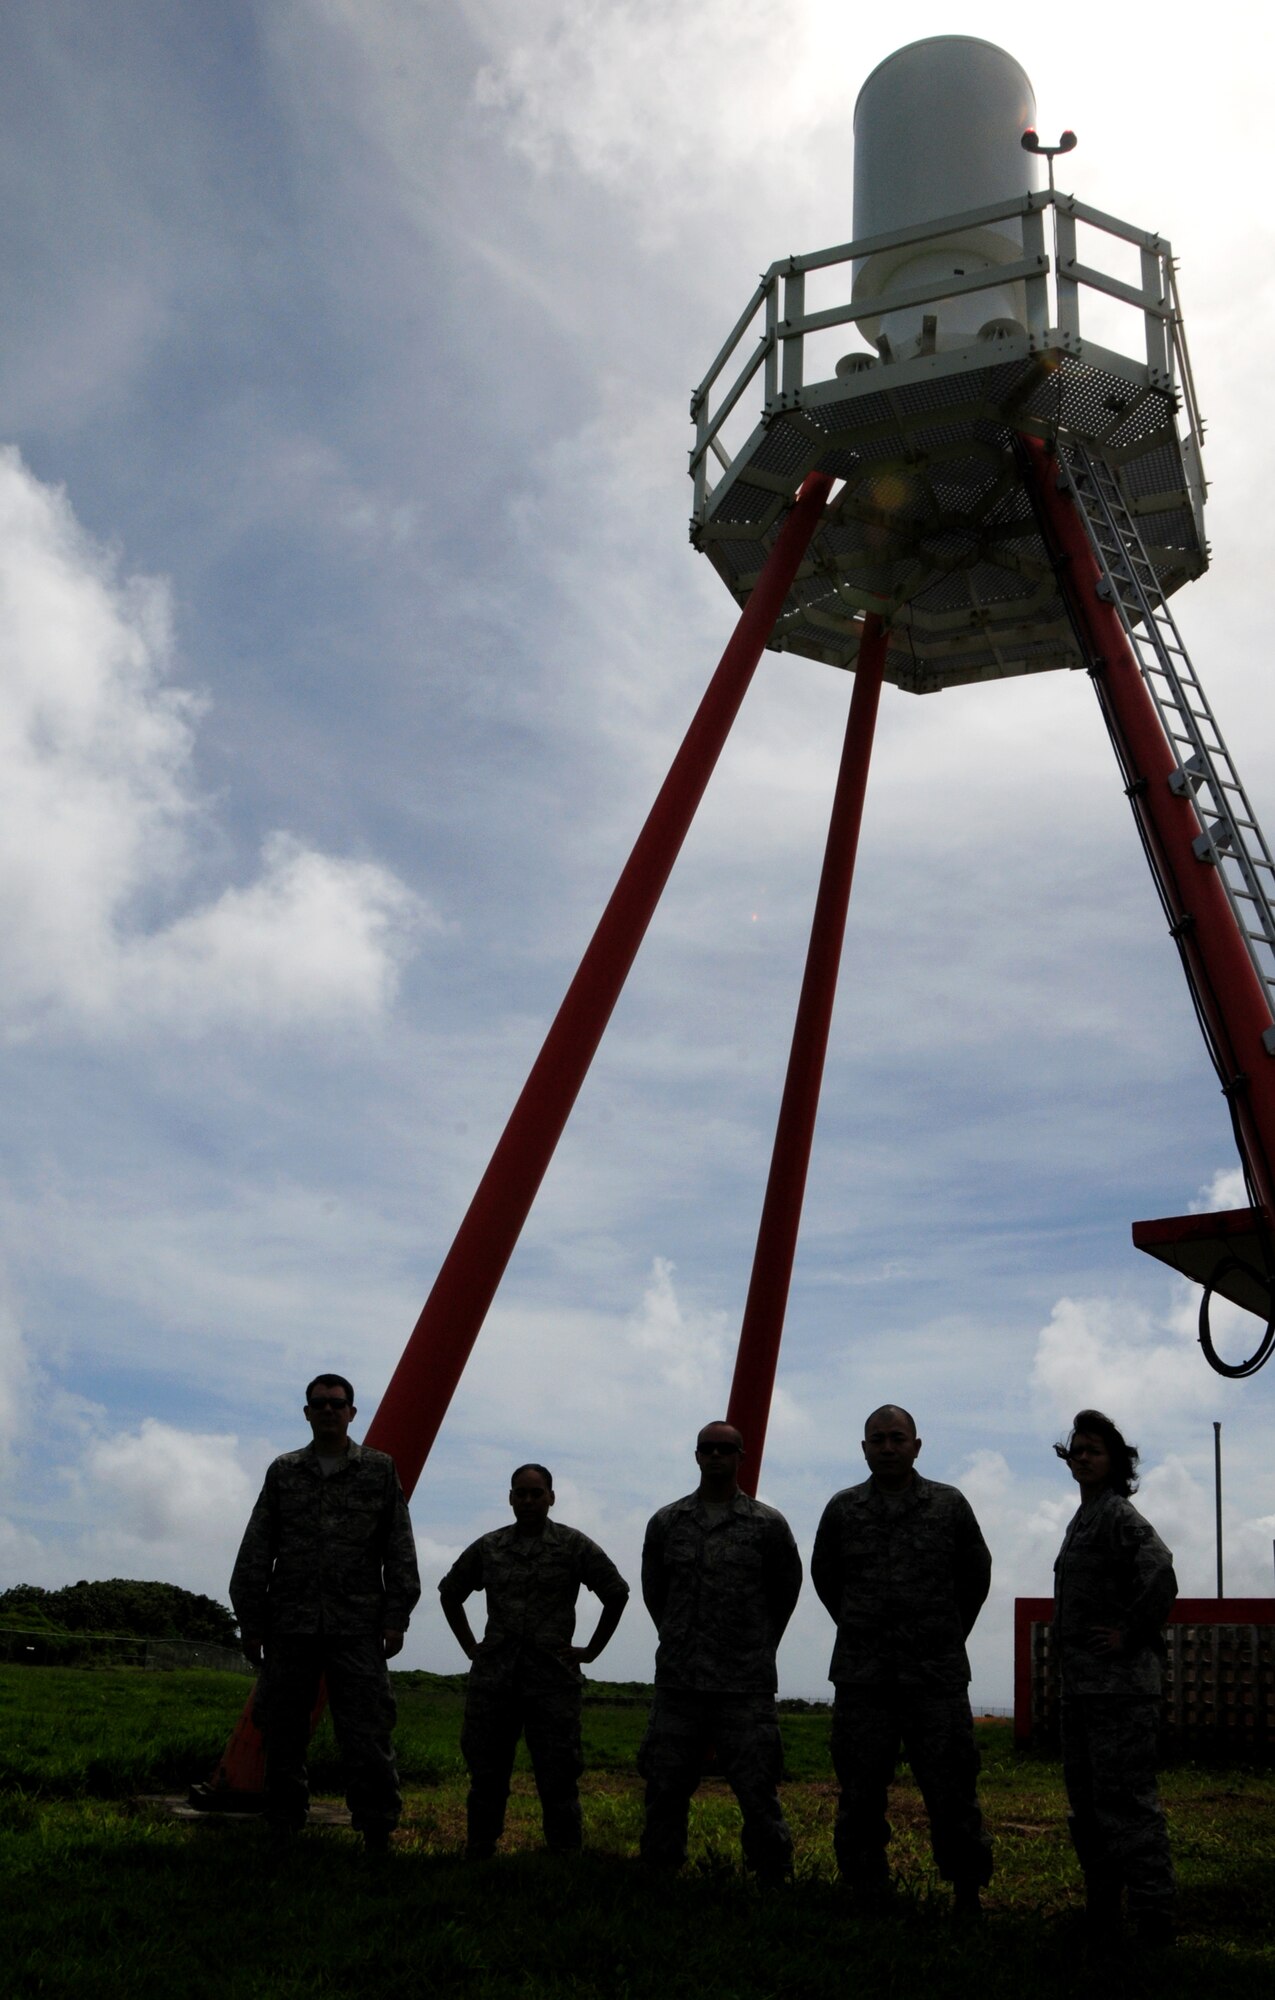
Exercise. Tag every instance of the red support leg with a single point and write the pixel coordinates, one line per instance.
(422, 1385)
(763, 1324)
(1220, 970)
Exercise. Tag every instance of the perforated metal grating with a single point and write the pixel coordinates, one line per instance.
(782, 448)
(746, 503)
(932, 528)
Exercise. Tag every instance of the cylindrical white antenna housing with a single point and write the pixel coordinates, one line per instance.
(938, 129)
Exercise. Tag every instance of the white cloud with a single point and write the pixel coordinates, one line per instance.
(643, 95)
(1178, 1497)
(985, 1479)
(1225, 1190)
(163, 1485)
(95, 750)
(314, 938)
(684, 1349)
(159, 1503)
(1107, 1354)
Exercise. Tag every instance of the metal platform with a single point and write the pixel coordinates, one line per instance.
(932, 528)
(1223, 1250)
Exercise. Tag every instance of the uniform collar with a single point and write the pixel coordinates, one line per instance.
(869, 1494)
(739, 1503)
(550, 1532)
(310, 1452)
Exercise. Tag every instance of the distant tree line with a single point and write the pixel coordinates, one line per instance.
(121, 1608)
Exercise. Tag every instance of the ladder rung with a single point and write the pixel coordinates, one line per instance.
(1233, 840)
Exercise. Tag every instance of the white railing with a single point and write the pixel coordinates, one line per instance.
(1052, 286)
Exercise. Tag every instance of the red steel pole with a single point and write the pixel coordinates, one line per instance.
(763, 1324)
(1225, 982)
(422, 1385)
(431, 1365)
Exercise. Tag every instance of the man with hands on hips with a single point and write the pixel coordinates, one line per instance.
(525, 1672)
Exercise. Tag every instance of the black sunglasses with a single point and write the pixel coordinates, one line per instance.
(716, 1448)
(328, 1403)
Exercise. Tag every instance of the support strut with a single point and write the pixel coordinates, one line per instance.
(1226, 989)
(422, 1385)
(763, 1324)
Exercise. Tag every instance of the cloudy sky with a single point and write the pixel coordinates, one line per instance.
(347, 627)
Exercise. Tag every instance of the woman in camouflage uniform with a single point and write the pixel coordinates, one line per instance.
(1113, 1589)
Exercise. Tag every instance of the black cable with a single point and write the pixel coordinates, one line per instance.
(1235, 1371)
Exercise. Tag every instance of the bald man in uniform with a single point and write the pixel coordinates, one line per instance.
(900, 1564)
(720, 1577)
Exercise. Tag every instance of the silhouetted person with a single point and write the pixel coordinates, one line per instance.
(524, 1677)
(900, 1564)
(720, 1577)
(1113, 1589)
(323, 1586)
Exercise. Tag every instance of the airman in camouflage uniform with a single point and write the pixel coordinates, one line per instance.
(1114, 1587)
(720, 1577)
(525, 1676)
(900, 1564)
(323, 1586)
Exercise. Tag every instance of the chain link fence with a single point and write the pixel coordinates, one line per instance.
(96, 1649)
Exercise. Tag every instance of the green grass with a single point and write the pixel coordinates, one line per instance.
(110, 1732)
(108, 1897)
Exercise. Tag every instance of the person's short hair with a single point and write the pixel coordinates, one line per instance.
(907, 1416)
(330, 1382)
(531, 1466)
(720, 1424)
(1123, 1455)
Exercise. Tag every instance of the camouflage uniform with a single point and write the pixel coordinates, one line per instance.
(721, 1586)
(518, 1684)
(1113, 1570)
(904, 1577)
(326, 1565)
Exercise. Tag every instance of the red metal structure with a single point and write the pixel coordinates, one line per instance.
(763, 1322)
(1232, 1252)
(1221, 1680)
(974, 497)
(1234, 1008)
(422, 1385)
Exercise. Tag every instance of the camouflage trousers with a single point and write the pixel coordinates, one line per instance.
(1117, 1825)
(363, 1716)
(549, 1718)
(936, 1731)
(739, 1735)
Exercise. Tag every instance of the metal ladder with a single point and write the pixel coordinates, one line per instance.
(1231, 840)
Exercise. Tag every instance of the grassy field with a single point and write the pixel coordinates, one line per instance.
(104, 1894)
